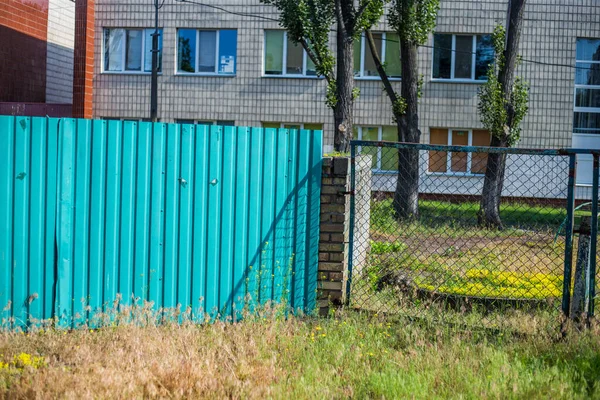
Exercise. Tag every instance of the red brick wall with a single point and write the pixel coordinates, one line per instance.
(83, 72)
(23, 33)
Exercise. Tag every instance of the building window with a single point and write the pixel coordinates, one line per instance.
(284, 58)
(128, 119)
(586, 116)
(203, 122)
(130, 50)
(462, 57)
(458, 162)
(206, 52)
(384, 159)
(388, 48)
(293, 125)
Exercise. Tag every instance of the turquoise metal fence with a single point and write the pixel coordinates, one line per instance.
(191, 215)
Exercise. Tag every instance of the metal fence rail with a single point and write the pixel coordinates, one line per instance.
(441, 259)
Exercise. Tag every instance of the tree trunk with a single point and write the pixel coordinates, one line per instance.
(489, 210)
(342, 113)
(406, 197)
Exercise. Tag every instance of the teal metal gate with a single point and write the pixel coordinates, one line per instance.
(191, 215)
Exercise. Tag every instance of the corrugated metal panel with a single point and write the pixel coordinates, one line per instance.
(191, 215)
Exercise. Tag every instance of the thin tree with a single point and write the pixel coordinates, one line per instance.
(413, 20)
(503, 104)
(308, 22)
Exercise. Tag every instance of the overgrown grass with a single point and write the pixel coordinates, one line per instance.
(458, 219)
(352, 355)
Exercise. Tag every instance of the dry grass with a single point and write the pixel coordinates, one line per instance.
(269, 356)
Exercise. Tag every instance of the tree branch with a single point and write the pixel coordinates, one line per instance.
(387, 85)
(315, 58)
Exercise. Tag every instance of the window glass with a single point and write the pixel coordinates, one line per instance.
(437, 159)
(484, 56)
(371, 133)
(479, 160)
(392, 55)
(294, 59)
(586, 118)
(369, 66)
(291, 126)
(133, 56)
(586, 122)
(148, 50)
(274, 52)
(313, 127)
(184, 121)
(588, 49)
(389, 155)
(275, 125)
(442, 56)
(227, 51)
(113, 49)
(463, 57)
(587, 74)
(207, 50)
(357, 47)
(225, 123)
(311, 69)
(186, 52)
(587, 98)
(458, 160)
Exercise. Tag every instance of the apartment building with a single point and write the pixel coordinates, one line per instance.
(238, 67)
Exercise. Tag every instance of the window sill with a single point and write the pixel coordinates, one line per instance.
(471, 81)
(292, 77)
(205, 74)
(375, 78)
(128, 73)
(456, 174)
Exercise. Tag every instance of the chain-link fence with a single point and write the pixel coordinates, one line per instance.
(440, 244)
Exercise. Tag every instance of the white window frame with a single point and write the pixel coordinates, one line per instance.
(124, 55)
(363, 48)
(377, 169)
(197, 53)
(284, 74)
(449, 171)
(591, 110)
(453, 59)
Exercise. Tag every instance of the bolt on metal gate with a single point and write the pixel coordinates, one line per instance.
(441, 244)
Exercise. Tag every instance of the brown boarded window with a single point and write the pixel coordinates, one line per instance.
(437, 159)
(479, 160)
(458, 161)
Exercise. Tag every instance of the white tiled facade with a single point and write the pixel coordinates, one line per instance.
(551, 28)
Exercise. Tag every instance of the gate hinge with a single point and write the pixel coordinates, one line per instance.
(351, 193)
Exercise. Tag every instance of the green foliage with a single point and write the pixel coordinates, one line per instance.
(372, 11)
(420, 83)
(331, 95)
(399, 107)
(355, 92)
(387, 247)
(413, 19)
(502, 116)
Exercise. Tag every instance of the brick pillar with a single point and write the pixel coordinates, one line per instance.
(83, 63)
(333, 237)
(335, 227)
